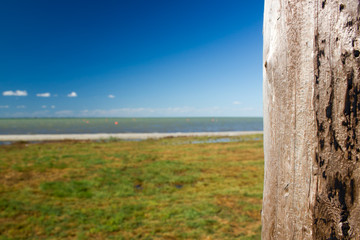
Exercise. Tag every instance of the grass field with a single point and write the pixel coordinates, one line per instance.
(173, 188)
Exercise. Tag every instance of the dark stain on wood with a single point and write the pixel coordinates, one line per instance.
(342, 6)
(337, 116)
(323, 4)
(356, 53)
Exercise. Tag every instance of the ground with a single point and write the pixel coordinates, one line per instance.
(173, 188)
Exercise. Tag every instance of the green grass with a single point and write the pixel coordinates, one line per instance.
(153, 189)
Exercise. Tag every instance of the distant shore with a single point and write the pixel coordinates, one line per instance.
(98, 136)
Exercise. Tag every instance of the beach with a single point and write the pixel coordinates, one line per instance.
(130, 136)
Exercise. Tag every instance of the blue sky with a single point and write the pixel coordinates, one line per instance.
(136, 58)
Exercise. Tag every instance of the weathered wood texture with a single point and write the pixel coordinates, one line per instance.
(311, 119)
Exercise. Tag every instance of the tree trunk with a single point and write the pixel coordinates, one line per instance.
(311, 119)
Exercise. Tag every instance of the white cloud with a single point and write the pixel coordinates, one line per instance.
(18, 93)
(43, 94)
(152, 112)
(138, 112)
(41, 113)
(111, 96)
(43, 106)
(72, 94)
(64, 113)
(6, 106)
(236, 103)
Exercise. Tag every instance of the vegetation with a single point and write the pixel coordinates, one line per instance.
(173, 188)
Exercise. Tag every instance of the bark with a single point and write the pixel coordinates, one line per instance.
(311, 119)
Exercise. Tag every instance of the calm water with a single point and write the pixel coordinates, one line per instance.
(128, 125)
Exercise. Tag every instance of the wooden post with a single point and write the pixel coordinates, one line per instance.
(311, 119)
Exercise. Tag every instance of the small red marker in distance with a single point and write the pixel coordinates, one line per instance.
(116, 123)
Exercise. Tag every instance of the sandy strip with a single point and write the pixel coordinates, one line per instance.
(97, 136)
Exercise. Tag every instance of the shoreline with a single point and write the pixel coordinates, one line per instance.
(130, 136)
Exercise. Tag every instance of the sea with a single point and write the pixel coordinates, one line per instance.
(128, 125)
